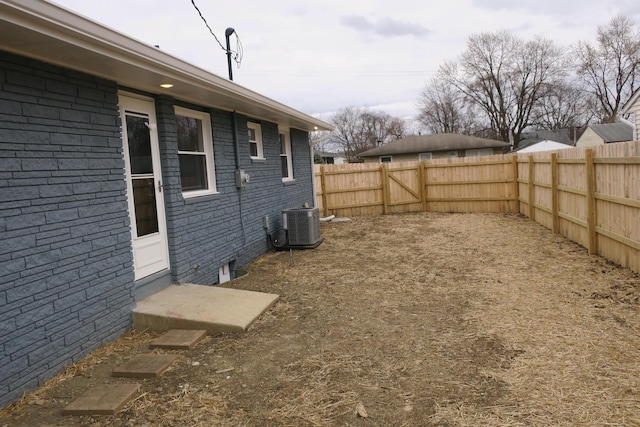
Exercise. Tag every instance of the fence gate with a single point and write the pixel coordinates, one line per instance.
(402, 188)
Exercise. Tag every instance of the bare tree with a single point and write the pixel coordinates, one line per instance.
(379, 127)
(346, 134)
(505, 77)
(610, 69)
(565, 105)
(442, 109)
(357, 130)
(320, 139)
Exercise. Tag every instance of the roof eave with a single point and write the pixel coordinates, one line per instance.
(630, 103)
(47, 32)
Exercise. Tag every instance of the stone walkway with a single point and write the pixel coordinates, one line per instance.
(110, 398)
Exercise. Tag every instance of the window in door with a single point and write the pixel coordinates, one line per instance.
(195, 152)
(142, 177)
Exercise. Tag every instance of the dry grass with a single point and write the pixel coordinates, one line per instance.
(127, 342)
(400, 320)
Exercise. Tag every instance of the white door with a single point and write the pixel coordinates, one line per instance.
(144, 186)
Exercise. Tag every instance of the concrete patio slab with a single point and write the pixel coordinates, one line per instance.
(179, 339)
(211, 308)
(104, 400)
(145, 366)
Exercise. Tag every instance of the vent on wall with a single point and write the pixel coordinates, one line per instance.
(302, 227)
(224, 273)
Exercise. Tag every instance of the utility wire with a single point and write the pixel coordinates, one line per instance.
(207, 24)
(237, 55)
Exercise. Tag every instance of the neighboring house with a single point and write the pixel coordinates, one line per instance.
(438, 146)
(331, 158)
(562, 136)
(606, 133)
(122, 170)
(632, 110)
(544, 146)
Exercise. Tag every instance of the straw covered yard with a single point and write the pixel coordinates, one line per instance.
(424, 319)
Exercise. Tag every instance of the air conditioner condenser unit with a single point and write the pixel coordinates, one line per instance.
(302, 227)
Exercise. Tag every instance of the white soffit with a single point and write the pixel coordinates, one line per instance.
(44, 31)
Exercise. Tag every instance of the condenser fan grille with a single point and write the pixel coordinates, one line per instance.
(302, 225)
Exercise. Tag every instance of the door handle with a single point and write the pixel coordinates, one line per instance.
(160, 186)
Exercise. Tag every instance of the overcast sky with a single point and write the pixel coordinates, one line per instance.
(324, 55)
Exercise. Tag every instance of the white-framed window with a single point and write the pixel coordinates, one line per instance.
(425, 156)
(285, 154)
(385, 159)
(195, 152)
(255, 140)
(478, 152)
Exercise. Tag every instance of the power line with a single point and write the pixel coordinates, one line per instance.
(373, 73)
(207, 24)
(238, 53)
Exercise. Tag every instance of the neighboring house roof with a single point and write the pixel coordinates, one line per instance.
(627, 106)
(327, 154)
(50, 33)
(563, 136)
(613, 132)
(544, 146)
(433, 143)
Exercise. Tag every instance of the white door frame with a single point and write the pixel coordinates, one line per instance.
(150, 251)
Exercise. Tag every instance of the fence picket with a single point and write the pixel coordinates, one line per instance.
(589, 196)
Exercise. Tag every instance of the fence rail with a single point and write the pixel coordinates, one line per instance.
(591, 196)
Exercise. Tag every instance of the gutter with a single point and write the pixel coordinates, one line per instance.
(630, 123)
(50, 33)
(313, 164)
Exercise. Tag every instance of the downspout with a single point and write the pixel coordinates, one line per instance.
(632, 124)
(313, 165)
(313, 171)
(236, 144)
(236, 152)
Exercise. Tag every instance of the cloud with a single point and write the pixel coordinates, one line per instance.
(631, 8)
(563, 9)
(384, 27)
(541, 7)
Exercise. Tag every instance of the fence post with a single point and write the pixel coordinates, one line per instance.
(555, 219)
(384, 176)
(516, 184)
(323, 188)
(422, 171)
(532, 189)
(591, 202)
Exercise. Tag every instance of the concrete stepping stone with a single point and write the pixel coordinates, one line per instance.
(103, 400)
(145, 366)
(179, 339)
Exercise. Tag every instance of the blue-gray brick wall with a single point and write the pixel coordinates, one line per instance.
(206, 232)
(66, 282)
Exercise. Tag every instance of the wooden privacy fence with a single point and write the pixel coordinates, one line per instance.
(591, 196)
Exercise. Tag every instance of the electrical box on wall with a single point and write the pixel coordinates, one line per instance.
(242, 178)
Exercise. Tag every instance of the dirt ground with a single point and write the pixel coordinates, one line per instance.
(399, 320)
